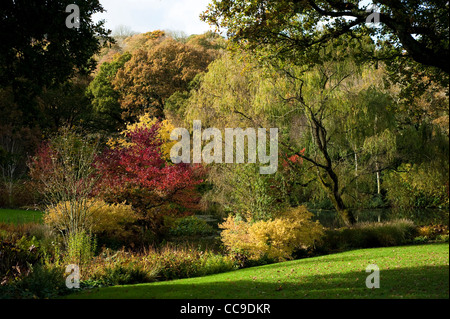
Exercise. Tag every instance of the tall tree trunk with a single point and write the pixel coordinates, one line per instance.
(356, 168)
(330, 181)
(378, 178)
(335, 196)
(376, 160)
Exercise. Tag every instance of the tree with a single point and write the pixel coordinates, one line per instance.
(16, 144)
(138, 172)
(316, 95)
(154, 73)
(419, 28)
(235, 92)
(65, 105)
(123, 31)
(325, 115)
(63, 172)
(38, 50)
(209, 41)
(104, 98)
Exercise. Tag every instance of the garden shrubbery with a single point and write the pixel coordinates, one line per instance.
(41, 282)
(167, 263)
(108, 222)
(33, 257)
(190, 226)
(22, 246)
(274, 239)
(368, 235)
(80, 223)
(27, 270)
(430, 233)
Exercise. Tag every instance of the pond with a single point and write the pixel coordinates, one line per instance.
(420, 217)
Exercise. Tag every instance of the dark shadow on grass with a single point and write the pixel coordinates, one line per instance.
(416, 282)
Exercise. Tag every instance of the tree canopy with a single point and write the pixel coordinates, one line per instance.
(413, 29)
(39, 51)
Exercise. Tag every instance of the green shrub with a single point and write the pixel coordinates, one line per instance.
(17, 258)
(421, 240)
(369, 235)
(167, 263)
(41, 282)
(80, 248)
(190, 226)
(414, 185)
(123, 275)
(215, 263)
(443, 238)
(377, 202)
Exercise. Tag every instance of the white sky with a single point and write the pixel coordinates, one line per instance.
(149, 15)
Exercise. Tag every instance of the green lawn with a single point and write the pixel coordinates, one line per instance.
(405, 272)
(20, 216)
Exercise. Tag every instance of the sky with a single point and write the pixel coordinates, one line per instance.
(149, 15)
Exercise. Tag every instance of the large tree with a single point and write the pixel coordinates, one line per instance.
(104, 99)
(156, 72)
(407, 28)
(335, 122)
(137, 170)
(38, 50)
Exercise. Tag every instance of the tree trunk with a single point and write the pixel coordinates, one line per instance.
(332, 187)
(378, 180)
(356, 169)
(334, 195)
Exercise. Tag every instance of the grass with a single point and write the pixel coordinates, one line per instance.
(20, 216)
(405, 272)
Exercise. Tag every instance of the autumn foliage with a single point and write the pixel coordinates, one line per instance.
(134, 170)
(103, 219)
(138, 172)
(156, 72)
(275, 239)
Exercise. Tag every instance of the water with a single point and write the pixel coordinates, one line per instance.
(420, 217)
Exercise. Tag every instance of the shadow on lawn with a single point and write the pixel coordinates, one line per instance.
(418, 282)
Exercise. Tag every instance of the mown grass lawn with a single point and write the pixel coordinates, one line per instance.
(405, 272)
(20, 216)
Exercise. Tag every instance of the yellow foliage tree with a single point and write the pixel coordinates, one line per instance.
(147, 121)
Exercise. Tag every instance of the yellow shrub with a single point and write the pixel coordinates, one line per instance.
(235, 235)
(276, 239)
(425, 231)
(102, 218)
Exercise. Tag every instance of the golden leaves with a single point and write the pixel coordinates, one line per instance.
(276, 239)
